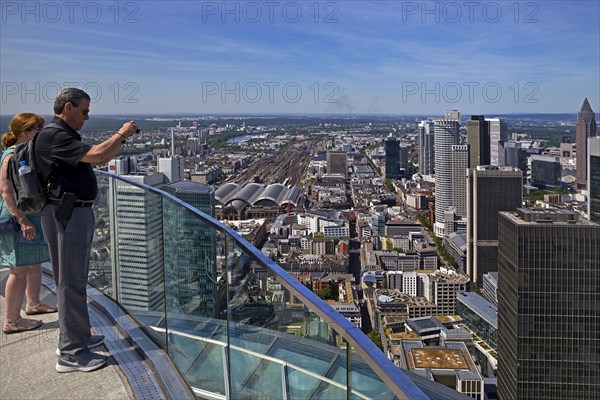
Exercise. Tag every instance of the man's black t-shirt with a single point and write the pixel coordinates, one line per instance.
(58, 153)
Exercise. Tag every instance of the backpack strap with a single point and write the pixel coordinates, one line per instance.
(6, 153)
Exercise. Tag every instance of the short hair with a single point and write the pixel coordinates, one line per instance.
(69, 95)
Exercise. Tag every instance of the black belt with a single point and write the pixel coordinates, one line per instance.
(78, 203)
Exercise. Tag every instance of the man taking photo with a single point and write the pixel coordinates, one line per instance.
(65, 165)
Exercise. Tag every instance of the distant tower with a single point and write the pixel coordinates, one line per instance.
(172, 167)
(190, 252)
(593, 165)
(478, 139)
(426, 148)
(337, 163)
(548, 314)
(403, 159)
(498, 137)
(586, 127)
(446, 135)
(392, 158)
(490, 189)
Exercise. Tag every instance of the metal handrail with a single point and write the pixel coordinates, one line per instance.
(396, 380)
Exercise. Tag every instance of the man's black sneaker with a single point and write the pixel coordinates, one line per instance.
(95, 341)
(87, 363)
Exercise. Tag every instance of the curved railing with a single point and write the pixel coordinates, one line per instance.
(236, 325)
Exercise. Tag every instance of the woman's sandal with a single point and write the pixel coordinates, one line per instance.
(20, 325)
(39, 308)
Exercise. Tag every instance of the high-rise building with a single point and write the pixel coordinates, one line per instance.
(460, 165)
(446, 135)
(403, 159)
(548, 285)
(490, 189)
(545, 171)
(172, 167)
(498, 137)
(137, 243)
(337, 163)
(515, 156)
(426, 148)
(190, 254)
(586, 127)
(392, 158)
(593, 174)
(478, 139)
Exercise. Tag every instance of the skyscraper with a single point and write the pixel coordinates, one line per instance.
(336, 163)
(392, 158)
(446, 135)
(586, 127)
(172, 167)
(490, 189)
(403, 159)
(190, 254)
(137, 243)
(426, 148)
(478, 139)
(460, 165)
(593, 165)
(498, 137)
(548, 285)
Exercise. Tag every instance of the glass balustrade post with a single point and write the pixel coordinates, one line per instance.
(348, 370)
(230, 265)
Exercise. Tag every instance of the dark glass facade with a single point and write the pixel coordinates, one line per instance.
(545, 171)
(491, 189)
(392, 158)
(190, 252)
(548, 305)
(478, 139)
(594, 188)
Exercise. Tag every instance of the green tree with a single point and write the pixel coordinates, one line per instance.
(390, 185)
(376, 338)
(325, 294)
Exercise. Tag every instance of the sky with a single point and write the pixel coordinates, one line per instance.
(305, 56)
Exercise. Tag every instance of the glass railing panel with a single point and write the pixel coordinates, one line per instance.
(196, 339)
(101, 268)
(366, 382)
(254, 376)
(283, 346)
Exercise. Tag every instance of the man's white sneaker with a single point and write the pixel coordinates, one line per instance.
(87, 363)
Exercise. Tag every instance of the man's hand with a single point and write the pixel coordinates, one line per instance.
(128, 129)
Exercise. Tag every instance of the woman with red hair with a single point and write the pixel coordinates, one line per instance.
(24, 257)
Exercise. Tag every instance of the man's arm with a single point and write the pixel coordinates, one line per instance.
(104, 152)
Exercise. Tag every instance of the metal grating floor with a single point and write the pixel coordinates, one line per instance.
(140, 376)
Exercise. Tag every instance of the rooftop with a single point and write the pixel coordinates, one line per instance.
(480, 306)
(436, 358)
